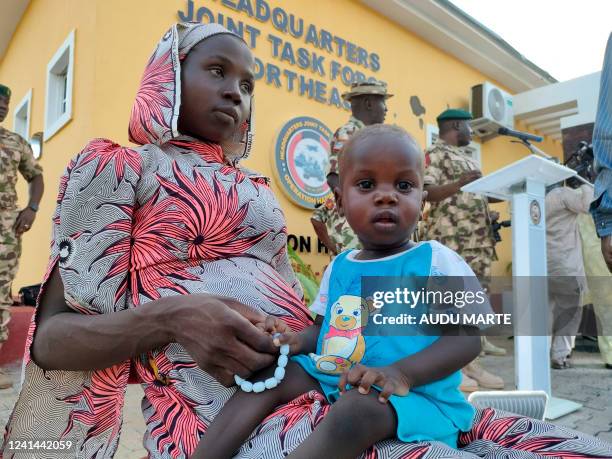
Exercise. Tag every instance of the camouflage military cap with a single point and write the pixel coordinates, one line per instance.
(5, 91)
(364, 88)
(454, 114)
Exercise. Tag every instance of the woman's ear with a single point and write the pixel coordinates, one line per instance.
(338, 198)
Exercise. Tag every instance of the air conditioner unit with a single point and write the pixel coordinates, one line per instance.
(491, 108)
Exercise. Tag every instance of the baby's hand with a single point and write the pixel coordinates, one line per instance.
(273, 325)
(390, 379)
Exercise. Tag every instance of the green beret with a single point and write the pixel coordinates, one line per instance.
(5, 91)
(454, 114)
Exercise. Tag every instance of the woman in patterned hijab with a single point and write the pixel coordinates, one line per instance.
(163, 258)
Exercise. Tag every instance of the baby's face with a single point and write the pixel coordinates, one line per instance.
(382, 189)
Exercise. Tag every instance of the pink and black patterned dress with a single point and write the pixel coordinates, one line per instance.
(173, 217)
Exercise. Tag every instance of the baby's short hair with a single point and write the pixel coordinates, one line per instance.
(379, 130)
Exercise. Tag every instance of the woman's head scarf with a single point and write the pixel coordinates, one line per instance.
(155, 113)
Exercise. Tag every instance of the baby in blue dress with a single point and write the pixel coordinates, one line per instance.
(382, 385)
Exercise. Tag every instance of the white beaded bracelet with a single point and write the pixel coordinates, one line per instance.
(269, 383)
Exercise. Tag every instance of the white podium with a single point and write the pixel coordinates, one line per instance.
(523, 183)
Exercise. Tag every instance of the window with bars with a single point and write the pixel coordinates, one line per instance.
(63, 81)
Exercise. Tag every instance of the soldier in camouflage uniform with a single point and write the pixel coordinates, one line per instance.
(332, 229)
(15, 156)
(459, 220)
(368, 106)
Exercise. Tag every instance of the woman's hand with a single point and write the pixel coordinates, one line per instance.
(221, 336)
(390, 379)
(219, 333)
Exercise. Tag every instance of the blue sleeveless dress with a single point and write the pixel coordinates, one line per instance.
(434, 411)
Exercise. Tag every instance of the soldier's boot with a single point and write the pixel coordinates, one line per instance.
(467, 384)
(484, 379)
(489, 348)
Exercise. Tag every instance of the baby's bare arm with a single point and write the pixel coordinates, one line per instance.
(448, 354)
(302, 342)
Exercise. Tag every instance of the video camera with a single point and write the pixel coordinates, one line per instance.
(582, 162)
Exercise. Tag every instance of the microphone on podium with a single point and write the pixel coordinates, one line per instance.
(524, 136)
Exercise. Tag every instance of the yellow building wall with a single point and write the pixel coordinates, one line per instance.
(114, 40)
(43, 29)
